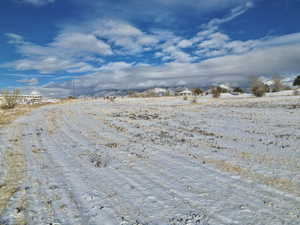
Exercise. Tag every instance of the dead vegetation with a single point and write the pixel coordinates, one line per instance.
(9, 115)
(10, 99)
(202, 132)
(146, 115)
(216, 92)
(258, 88)
(15, 166)
(112, 145)
(278, 183)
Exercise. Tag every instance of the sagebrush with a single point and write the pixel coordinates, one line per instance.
(258, 88)
(10, 99)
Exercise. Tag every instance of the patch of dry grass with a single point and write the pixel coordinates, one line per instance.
(283, 184)
(9, 115)
(15, 162)
(52, 122)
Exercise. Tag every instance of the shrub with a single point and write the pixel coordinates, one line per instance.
(277, 85)
(133, 94)
(259, 91)
(267, 88)
(297, 81)
(130, 93)
(185, 98)
(10, 99)
(197, 91)
(258, 88)
(238, 90)
(112, 98)
(216, 92)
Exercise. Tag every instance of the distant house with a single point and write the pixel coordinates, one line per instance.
(33, 98)
(222, 87)
(225, 88)
(170, 92)
(157, 92)
(185, 92)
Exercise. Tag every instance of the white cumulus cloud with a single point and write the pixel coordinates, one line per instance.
(37, 2)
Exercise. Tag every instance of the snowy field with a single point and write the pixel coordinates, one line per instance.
(157, 161)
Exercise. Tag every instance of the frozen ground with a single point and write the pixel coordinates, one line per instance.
(161, 161)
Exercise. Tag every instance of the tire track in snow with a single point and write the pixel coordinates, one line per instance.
(269, 211)
(58, 194)
(151, 188)
(67, 134)
(244, 196)
(121, 176)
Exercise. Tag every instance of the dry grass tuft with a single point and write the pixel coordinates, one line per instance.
(278, 183)
(112, 145)
(15, 161)
(216, 92)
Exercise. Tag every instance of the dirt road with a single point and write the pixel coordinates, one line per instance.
(153, 162)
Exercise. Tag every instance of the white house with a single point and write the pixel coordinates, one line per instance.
(157, 91)
(33, 98)
(185, 92)
(226, 87)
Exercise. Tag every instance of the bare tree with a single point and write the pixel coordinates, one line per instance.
(216, 92)
(258, 88)
(277, 84)
(297, 81)
(10, 98)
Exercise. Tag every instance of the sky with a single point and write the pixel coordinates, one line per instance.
(95, 45)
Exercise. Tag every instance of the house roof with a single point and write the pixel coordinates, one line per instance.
(158, 90)
(224, 86)
(185, 92)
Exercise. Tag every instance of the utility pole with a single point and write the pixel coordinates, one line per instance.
(73, 88)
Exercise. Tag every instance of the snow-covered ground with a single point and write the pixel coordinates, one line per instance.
(155, 161)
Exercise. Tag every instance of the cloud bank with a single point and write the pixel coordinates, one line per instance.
(113, 53)
(36, 2)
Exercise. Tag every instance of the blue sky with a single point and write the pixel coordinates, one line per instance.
(120, 44)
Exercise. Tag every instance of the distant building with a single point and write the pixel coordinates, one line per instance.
(158, 92)
(33, 98)
(225, 88)
(222, 87)
(185, 92)
(170, 92)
